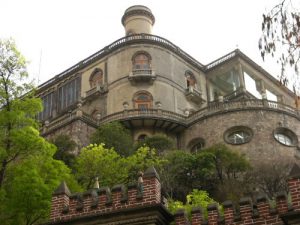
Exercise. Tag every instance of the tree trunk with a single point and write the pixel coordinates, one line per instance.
(2, 172)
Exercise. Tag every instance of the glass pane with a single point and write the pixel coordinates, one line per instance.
(283, 139)
(238, 137)
(143, 97)
(251, 85)
(142, 107)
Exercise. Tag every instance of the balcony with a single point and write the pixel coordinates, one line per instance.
(142, 75)
(95, 91)
(194, 95)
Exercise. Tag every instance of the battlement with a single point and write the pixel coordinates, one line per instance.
(100, 201)
(141, 203)
(249, 213)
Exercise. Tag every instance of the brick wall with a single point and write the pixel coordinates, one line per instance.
(66, 206)
(147, 193)
(250, 213)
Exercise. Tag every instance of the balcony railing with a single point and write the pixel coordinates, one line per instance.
(194, 95)
(245, 104)
(210, 110)
(99, 89)
(149, 113)
(142, 75)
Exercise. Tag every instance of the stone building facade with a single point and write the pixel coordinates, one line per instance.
(152, 86)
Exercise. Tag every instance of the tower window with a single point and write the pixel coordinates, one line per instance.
(190, 79)
(96, 78)
(141, 61)
(142, 100)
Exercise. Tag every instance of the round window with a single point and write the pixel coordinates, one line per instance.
(238, 135)
(285, 136)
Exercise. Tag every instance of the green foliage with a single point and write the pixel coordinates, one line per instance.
(97, 161)
(142, 159)
(19, 136)
(228, 164)
(159, 142)
(65, 147)
(114, 135)
(197, 198)
(28, 173)
(110, 167)
(210, 169)
(29, 187)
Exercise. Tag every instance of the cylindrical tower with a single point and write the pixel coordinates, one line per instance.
(138, 19)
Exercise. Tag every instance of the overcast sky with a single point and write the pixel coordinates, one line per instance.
(63, 32)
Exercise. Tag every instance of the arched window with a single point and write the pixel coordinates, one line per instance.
(96, 78)
(196, 145)
(142, 100)
(142, 137)
(141, 61)
(190, 79)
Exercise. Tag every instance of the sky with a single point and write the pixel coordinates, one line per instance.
(53, 35)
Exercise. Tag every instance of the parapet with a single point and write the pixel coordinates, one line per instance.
(251, 213)
(139, 201)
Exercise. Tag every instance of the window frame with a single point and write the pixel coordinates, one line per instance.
(141, 66)
(236, 129)
(69, 94)
(95, 83)
(285, 133)
(137, 102)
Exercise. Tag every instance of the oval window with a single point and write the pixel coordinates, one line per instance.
(238, 135)
(285, 136)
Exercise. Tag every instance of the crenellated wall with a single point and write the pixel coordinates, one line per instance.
(142, 204)
(250, 213)
(105, 201)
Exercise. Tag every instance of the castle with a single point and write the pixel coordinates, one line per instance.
(152, 86)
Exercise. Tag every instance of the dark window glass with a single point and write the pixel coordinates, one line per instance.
(48, 106)
(69, 93)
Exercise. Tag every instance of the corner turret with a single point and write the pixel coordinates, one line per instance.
(138, 19)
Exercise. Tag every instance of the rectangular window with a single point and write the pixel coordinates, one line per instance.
(69, 93)
(251, 86)
(48, 106)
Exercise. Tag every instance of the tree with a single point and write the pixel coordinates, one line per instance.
(114, 135)
(159, 142)
(229, 179)
(19, 137)
(273, 180)
(29, 187)
(212, 169)
(28, 173)
(110, 167)
(281, 38)
(65, 149)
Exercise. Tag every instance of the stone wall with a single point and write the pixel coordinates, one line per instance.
(262, 122)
